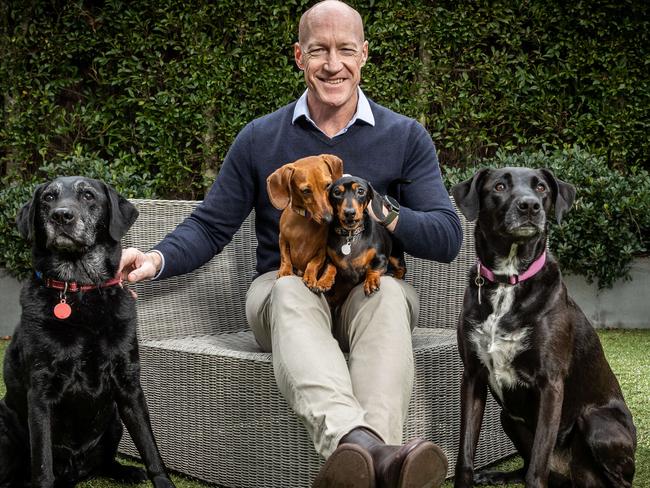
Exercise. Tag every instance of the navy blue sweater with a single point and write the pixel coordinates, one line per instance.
(396, 147)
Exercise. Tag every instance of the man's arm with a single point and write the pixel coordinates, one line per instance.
(427, 226)
(210, 226)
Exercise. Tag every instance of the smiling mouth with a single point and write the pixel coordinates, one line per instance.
(335, 81)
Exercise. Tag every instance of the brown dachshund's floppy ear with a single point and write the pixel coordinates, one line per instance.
(26, 218)
(563, 194)
(466, 195)
(122, 213)
(278, 186)
(335, 165)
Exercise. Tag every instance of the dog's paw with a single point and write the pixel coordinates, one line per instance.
(125, 474)
(371, 285)
(498, 477)
(162, 481)
(285, 271)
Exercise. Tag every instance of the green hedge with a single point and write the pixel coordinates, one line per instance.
(609, 222)
(158, 90)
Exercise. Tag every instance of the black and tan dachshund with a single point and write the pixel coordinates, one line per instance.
(359, 247)
(71, 370)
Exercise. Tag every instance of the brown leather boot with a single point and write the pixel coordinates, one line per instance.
(349, 466)
(417, 464)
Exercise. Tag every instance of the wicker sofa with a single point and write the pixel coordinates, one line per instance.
(215, 409)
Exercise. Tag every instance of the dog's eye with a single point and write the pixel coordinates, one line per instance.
(361, 192)
(48, 197)
(499, 187)
(337, 192)
(88, 195)
(540, 188)
(306, 191)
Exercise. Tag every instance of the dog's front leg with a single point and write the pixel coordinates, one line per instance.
(286, 266)
(40, 439)
(473, 393)
(135, 415)
(548, 424)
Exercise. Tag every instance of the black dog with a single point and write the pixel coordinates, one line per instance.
(72, 369)
(522, 336)
(359, 247)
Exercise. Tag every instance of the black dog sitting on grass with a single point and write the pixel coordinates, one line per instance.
(72, 369)
(521, 336)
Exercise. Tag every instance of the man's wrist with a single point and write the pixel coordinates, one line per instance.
(392, 207)
(158, 261)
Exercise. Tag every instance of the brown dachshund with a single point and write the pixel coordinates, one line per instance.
(301, 189)
(358, 246)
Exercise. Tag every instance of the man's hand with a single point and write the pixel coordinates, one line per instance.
(137, 266)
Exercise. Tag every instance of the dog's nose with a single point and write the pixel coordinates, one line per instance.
(529, 205)
(63, 215)
(349, 212)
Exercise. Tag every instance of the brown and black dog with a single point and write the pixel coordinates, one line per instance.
(359, 247)
(301, 189)
(524, 338)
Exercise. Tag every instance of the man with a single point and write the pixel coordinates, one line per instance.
(354, 414)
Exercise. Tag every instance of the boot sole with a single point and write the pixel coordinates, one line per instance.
(350, 466)
(424, 467)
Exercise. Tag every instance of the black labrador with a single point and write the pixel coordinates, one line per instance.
(524, 338)
(72, 369)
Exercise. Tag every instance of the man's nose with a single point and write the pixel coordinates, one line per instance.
(333, 62)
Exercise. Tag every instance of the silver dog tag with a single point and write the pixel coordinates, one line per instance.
(346, 249)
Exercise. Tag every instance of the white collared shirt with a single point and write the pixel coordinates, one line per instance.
(363, 112)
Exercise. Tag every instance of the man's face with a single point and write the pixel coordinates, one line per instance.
(331, 56)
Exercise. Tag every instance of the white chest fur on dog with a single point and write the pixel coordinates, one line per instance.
(496, 348)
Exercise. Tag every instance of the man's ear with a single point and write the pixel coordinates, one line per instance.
(278, 186)
(563, 194)
(466, 195)
(364, 54)
(297, 56)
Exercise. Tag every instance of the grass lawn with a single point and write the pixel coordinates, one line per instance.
(627, 352)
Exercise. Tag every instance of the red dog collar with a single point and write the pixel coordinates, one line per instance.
(62, 310)
(73, 286)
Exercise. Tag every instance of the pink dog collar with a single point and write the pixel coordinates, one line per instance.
(534, 268)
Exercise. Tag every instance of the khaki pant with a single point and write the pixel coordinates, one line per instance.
(331, 396)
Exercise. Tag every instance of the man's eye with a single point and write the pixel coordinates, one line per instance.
(499, 187)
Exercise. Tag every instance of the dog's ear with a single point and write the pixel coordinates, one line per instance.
(121, 213)
(26, 218)
(278, 186)
(370, 194)
(466, 195)
(563, 194)
(335, 165)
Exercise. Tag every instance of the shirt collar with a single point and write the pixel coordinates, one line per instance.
(363, 113)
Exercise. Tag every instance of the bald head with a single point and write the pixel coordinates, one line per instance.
(329, 10)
